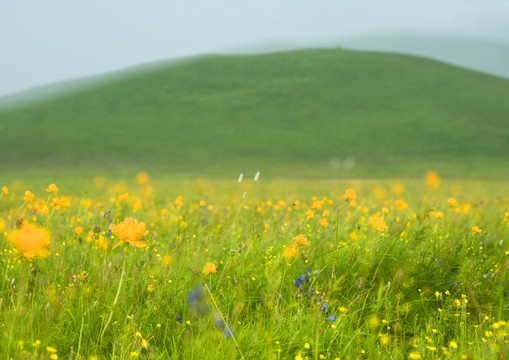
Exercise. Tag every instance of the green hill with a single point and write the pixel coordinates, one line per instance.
(316, 113)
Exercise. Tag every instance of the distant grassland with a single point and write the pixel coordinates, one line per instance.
(314, 113)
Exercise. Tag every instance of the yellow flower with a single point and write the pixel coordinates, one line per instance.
(378, 223)
(142, 178)
(5, 190)
(400, 204)
(452, 202)
(414, 355)
(300, 240)
(28, 196)
(52, 188)
(290, 252)
(310, 214)
(373, 321)
(350, 195)
(476, 230)
(209, 268)
(64, 201)
(130, 231)
(384, 340)
(453, 345)
(31, 240)
(166, 260)
(324, 222)
(124, 196)
(179, 201)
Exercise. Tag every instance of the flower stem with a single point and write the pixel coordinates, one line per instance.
(114, 302)
(45, 205)
(224, 320)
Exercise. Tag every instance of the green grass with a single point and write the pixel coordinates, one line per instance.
(386, 281)
(293, 114)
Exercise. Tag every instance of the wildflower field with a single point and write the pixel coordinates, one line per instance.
(254, 269)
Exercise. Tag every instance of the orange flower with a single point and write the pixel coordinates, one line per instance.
(316, 205)
(52, 188)
(290, 252)
(56, 202)
(378, 223)
(78, 230)
(300, 240)
(350, 195)
(28, 196)
(31, 240)
(400, 204)
(209, 268)
(476, 230)
(324, 222)
(432, 179)
(130, 231)
(5, 190)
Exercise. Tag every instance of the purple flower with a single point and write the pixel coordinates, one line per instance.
(198, 301)
(331, 318)
(300, 279)
(178, 318)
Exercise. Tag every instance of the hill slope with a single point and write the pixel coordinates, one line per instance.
(488, 57)
(302, 113)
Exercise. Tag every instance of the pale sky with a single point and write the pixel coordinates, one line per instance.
(43, 42)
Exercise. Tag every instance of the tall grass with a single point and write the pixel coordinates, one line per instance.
(400, 274)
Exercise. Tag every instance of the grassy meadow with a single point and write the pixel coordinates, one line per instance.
(222, 269)
(302, 263)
